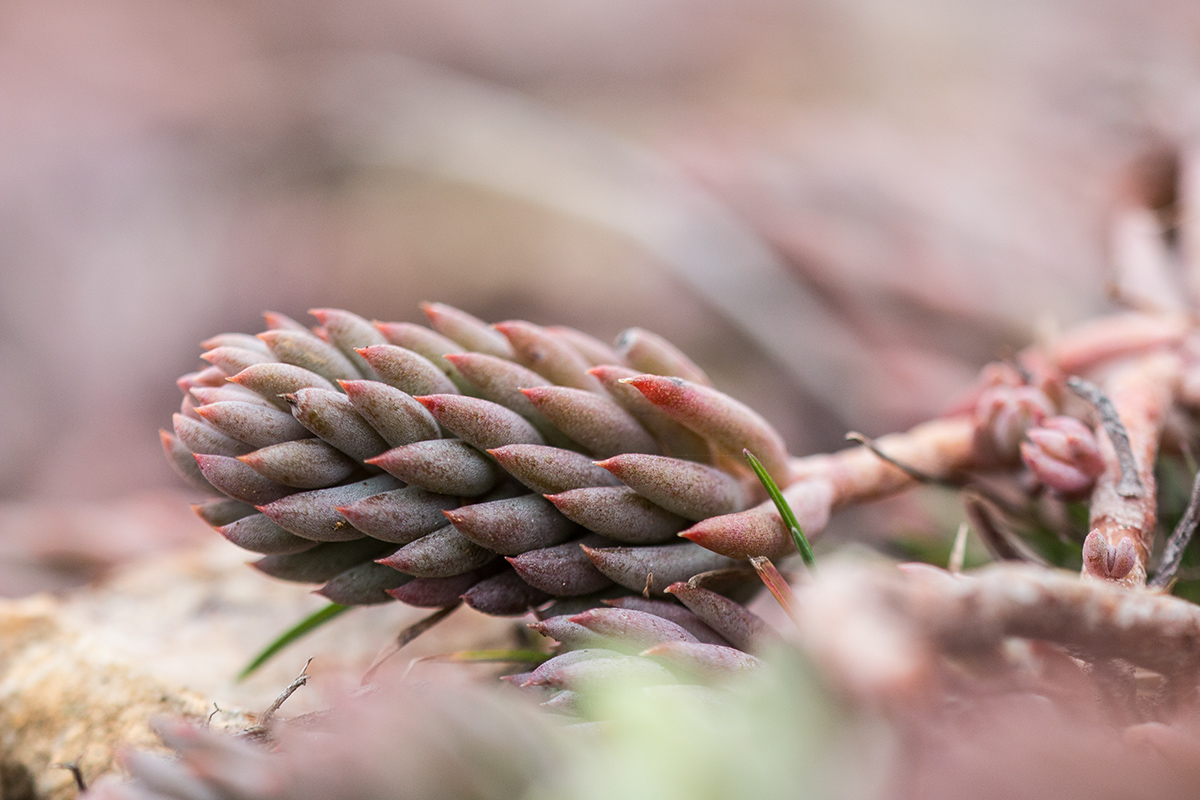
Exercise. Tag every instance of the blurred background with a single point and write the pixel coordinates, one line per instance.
(840, 208)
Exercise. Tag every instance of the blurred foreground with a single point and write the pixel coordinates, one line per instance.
(847, 724)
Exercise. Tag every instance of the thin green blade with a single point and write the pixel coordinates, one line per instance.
(300, 629)
(785, 511)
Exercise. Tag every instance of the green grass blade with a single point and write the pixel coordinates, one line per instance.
(785, 511)
(297, 631)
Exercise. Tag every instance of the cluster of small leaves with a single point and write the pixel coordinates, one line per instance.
(509, 466)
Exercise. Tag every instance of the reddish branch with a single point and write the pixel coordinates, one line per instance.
(939, 448)
(886, 633)
(1142, 392)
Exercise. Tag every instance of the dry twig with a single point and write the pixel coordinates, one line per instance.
(1180, 537)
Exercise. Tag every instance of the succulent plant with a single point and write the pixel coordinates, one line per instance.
(631, 447)
(513, 466)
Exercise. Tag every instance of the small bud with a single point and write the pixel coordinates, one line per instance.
(658, 567)
(303, 464)
(363, 585)
(469, 331)
(594, 420)
(704, 660)
(222, 512)
(239, 480)
(408, 371)
(255, 424)
(594, 351)
(570, 635)
(401, 515)
(504, 595)
(1064, 455)
(437, 592)
(245, 341)
(480, 423)
(208, 377)
(743, 628)
(650, 353)
(427, 343)
(184, 462)
(1003, 413)
(206, 395)
(395, 415)
(323, 562)
(1102, 560)
(619, 513)
(623, 671)
(512, 526)
(757, 532)
(549, 470)
(563, 570)
(232, 360)
(501, 382)
(332, 417)
(548, 355)
(544, 674)
(272, 380)
(187, 407)
(419, 339)
(760, 531)
(444, 466)
(728, 424)
(314, 514)
(305, 349)
(691, 490)
(633, 629)
(565, 702)
(259, 534)
(348, 332)
(440, 554)
(200, 437)
(672, 612)
(675, 439)
(282, 322)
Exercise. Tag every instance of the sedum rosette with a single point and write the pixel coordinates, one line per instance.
(512, 466)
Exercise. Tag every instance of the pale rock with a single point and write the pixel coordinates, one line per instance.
(82, 675)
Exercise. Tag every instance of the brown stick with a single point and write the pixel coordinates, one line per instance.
(1129, 485)
(1180, 537)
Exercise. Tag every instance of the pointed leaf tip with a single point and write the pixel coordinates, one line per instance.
(728, 424)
